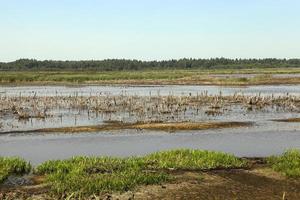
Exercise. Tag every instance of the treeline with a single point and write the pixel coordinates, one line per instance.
(123, 64)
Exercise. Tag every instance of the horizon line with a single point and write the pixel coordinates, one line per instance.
(151, 60)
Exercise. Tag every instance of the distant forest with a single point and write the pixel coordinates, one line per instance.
(123, 64)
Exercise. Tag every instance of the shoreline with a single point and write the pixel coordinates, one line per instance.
(151, 83)
(183, 173)
(225, 77)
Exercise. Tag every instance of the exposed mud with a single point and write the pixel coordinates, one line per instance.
(233, 184)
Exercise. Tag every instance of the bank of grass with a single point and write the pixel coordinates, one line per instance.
(149, 77)
(85, 176)
(13, 166)
(287, 164)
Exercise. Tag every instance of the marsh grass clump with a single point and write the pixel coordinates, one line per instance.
(194, 160)
(13, 166)
(287, 164)
(85, 176)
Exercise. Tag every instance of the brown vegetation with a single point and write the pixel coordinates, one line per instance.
(287, 120)
(158, 126)
(143, 108)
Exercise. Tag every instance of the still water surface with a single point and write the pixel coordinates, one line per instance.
(264, 139)
(146, 90)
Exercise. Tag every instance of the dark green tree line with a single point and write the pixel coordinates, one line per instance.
(123, 64)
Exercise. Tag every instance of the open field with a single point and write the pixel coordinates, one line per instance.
(178, 173)
(259, 76)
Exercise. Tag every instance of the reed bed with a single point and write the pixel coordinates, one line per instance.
(150, 108)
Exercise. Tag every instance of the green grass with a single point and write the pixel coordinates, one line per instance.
(13, 166)
(193, 160)
(287, 164)
(87, 176)
(139, 76)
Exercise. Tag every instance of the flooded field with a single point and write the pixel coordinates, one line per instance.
(26, 111)
(178, 90)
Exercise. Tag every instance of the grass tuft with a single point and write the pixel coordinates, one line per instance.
(13, 166)
(287, 164)
(194, 160)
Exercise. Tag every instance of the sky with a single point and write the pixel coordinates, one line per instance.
(148, 29)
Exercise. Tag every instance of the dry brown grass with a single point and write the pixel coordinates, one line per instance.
(189, 125)
(287, 120)
(158, 126)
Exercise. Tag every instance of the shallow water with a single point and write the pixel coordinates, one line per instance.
(241, 142)
(263, 139)
(82, 118)
(147, 90)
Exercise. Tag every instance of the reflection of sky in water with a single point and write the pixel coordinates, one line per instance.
(146, 90)
(241, 142)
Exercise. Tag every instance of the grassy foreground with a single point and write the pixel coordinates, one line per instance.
(87, 176)
(84, 177)
(264, 76)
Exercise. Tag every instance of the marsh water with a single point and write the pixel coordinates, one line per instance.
(265, 137)
(147, 90)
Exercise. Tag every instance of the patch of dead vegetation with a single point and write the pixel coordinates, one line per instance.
(287, 120)
(190, 125)
(156, 126)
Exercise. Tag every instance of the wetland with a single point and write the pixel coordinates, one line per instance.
(152, 133)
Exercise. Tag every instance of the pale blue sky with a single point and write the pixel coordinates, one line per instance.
(148, 29)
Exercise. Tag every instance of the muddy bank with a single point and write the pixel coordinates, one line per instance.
(287, 120)
(257, 183)
(159, 126)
